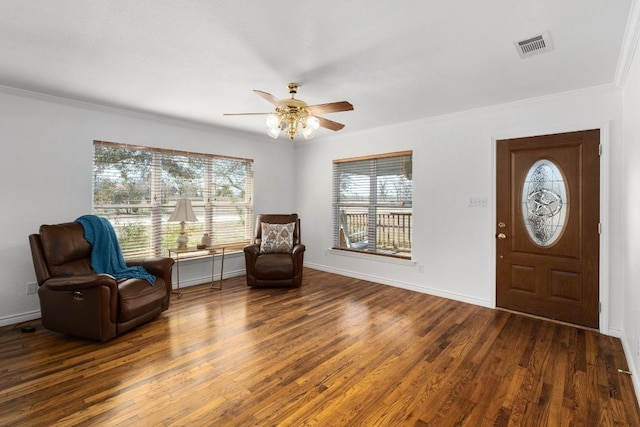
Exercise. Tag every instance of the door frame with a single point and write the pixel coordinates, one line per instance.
(603, 278)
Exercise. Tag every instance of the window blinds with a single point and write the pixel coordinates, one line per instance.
(372, 204)
(137, 188)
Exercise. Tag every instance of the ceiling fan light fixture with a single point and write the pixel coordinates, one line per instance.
(309, 127)
(273, 132)
(294, 116)
(313, 122)
(308, 132)
(292, 126)
(273, 121)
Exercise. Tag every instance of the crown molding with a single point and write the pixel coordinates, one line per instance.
(629, 44)
(127, 112)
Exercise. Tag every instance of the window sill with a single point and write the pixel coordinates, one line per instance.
(368, 256)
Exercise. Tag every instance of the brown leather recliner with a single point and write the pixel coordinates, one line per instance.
(74, 300)
(278, 268)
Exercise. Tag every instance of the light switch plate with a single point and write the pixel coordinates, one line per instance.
(477, 202)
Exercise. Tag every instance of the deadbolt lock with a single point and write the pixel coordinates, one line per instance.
(502, 225)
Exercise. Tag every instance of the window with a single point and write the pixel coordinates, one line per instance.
(136, 188)
(544, 203)
(372, 204)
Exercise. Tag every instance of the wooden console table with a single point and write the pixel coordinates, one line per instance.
(208, 251)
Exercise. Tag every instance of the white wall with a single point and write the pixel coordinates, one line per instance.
(453, 160)
(630, 209)
(46, 176)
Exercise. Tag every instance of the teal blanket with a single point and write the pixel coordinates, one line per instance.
(106, 256)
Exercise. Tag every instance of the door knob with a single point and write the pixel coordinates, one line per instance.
(502, 236)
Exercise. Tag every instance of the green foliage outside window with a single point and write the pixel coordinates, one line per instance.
(136, 188)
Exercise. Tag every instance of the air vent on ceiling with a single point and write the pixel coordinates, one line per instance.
(534, 45)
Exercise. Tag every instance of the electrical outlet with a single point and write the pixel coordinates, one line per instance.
(32, 288)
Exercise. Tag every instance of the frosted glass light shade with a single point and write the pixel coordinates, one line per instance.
(273, 132)
(308, 132)
(313, 122)
(272, 121)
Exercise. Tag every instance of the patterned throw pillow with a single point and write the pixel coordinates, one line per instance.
(277, 238)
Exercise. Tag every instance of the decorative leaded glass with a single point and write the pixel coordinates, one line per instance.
(544, 202)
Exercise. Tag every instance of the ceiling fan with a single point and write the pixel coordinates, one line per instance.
(292, 114)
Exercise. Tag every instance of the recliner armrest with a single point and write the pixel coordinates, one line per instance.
(80, 282)
(253, 250)
(251, 253)
(298, 248)
(158, 266)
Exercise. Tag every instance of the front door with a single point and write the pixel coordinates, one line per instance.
(547, 231)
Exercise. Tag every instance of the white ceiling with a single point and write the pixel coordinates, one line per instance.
(394, 61)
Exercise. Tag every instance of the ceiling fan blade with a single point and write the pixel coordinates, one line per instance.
(329, 124)
(332, 107)
(245, 114)
(272, 99)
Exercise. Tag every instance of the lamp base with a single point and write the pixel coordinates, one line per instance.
(182, 241)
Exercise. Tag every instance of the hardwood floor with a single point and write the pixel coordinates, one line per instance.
(336, 352)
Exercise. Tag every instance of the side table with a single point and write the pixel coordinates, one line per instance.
(210, 250)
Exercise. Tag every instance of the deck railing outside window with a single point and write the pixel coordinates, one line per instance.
(393, 232)
(372, 204)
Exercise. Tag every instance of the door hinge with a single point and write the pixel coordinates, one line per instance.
(599, 228)
(599, 149)
(599, 307)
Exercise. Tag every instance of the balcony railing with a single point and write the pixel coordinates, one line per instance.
(393, 232)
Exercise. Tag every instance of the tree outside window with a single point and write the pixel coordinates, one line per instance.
(136, 188)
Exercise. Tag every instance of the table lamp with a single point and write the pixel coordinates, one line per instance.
(182, 213)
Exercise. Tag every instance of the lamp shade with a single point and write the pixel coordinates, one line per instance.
(183, 212)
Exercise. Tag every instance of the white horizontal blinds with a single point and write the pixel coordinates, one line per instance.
(231, 200)
(220, 190)
(158, 210)
(372, 204)
(353, 198)
(122, 193)
(182, 176)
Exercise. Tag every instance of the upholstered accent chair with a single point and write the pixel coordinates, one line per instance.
(276, 256)
(76, 301)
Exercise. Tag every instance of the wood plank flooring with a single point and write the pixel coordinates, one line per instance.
(336, 352)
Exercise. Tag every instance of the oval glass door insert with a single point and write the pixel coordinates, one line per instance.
(544, 202)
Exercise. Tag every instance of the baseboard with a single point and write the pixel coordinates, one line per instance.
(19, 318)
(403, 285)
(613, 332)
(628, 354)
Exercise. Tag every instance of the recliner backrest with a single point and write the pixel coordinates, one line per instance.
(65, 249)
(277, 219)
